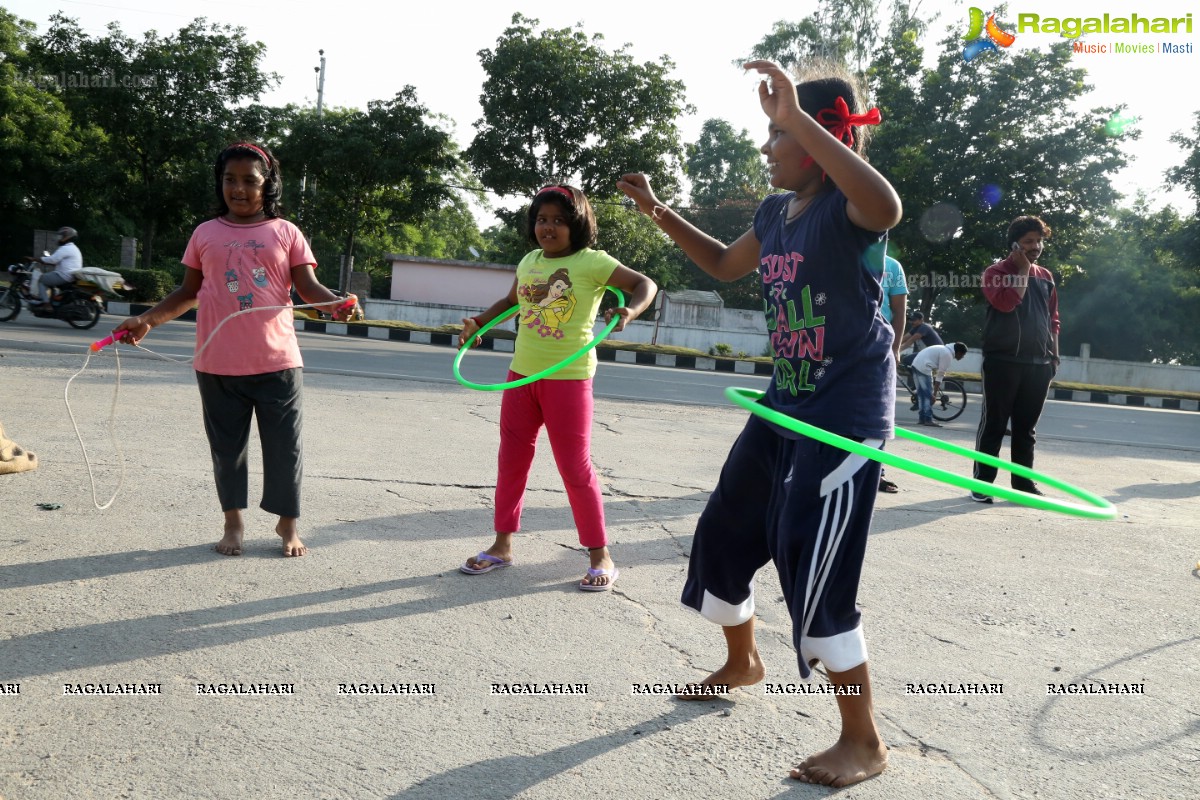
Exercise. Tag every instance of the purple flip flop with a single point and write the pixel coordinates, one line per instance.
(597, 573)
(493, 563)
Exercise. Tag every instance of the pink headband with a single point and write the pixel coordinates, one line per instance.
(564, 192)
(262, 153)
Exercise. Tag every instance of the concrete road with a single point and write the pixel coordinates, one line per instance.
(398, 492)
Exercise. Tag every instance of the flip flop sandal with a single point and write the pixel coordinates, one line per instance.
(888, 486)
(492, 563)
(597, 573)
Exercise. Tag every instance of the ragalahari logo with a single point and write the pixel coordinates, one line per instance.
(982, 37)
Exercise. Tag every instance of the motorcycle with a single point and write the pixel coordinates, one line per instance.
(79, 303)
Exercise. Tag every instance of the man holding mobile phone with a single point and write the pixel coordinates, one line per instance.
(1020, 350)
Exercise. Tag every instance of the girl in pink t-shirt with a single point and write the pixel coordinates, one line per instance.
(558, 287)
(247, 364)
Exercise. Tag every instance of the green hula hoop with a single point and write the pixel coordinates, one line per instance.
(537, 376)
(1097, 508)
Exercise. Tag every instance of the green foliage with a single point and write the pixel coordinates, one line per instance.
(724, 164)
(148, 285)
(949, 133)
(36, 135)
(840, 31)
(366, 172)
(1138, 293)
(165, 106)
(558, 106)
(720, 349)
(725, 221)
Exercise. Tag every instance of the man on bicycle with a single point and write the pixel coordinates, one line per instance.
(920, 335)
(928, 368)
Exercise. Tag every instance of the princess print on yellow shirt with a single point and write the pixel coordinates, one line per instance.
(553, 303)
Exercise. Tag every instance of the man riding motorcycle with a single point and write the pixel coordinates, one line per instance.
(66, 260)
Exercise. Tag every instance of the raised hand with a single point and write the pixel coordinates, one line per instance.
(777, 93)
(636, 187)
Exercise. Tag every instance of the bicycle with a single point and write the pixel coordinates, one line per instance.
(948, 404)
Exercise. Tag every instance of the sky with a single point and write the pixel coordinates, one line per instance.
(373, 50)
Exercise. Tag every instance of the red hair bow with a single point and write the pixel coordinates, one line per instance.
(840, 122)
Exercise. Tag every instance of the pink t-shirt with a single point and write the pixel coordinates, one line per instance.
(246, 266)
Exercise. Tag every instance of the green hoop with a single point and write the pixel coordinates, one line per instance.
(550, 370)
(1097, 508)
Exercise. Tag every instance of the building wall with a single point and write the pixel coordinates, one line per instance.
(449, 282)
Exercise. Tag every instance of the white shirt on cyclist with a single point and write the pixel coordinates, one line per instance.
(934, 360)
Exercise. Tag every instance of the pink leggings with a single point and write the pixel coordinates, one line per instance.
(565, 408)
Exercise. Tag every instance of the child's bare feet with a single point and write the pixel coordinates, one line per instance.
(231, 542)
(738, 671)
(289, 532)
(845, 763)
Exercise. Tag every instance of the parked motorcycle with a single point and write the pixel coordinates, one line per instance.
(79, 304)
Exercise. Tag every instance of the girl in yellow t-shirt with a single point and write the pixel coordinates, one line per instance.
(558, 287)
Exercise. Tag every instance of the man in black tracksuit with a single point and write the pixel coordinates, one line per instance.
(1020, 350)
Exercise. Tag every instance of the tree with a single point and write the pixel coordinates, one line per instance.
(36, 135)
(368, 173)
(165, 105)
(841, 31)
(557, 106)
(965, 164)
(724, 164)
(1187, 174)
(1138, 294)
(728, 179)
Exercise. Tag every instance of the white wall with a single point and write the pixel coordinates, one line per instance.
(449, 282)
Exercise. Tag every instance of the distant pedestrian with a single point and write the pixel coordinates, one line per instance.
(1020, 350)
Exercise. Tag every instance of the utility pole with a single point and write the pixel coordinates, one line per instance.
(320, 84)
(320, 109)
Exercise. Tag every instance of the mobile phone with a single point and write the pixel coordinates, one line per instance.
(1015, 247)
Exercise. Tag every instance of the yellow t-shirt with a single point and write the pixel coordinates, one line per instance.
(559, 298)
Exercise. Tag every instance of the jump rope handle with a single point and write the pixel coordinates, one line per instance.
(351, 302)
(96, 347)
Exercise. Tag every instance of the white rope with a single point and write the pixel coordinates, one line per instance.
(117, 388)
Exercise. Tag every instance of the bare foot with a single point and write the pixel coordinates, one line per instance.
(846, 763)
(287, 530)
(231, 543)
(744, 673)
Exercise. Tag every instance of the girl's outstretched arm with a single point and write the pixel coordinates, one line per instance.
(872, 202)
(639, 293)
(473, 324)
(312, 291)
(165, 310)
(723, 262)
